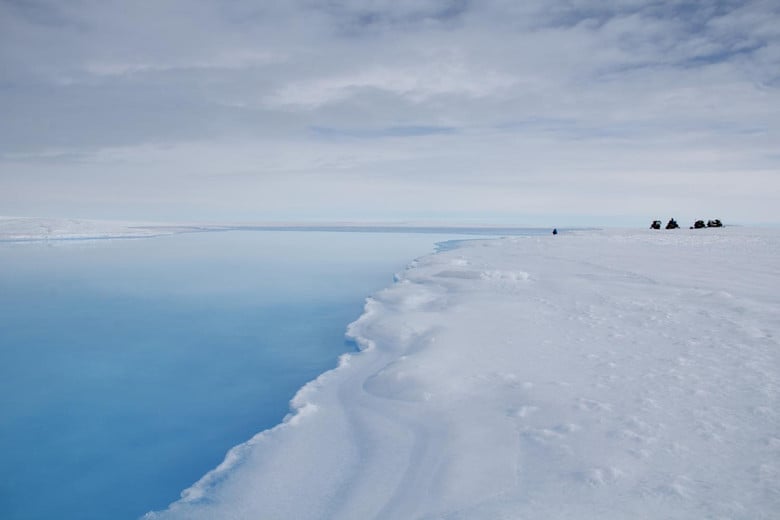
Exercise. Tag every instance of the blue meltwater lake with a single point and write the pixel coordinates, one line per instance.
(129, 367)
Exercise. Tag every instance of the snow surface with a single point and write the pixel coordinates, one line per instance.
(612, 374)
(23, 229)
(15, 229)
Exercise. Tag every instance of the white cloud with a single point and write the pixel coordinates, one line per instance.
(416, 83)
(235, 59)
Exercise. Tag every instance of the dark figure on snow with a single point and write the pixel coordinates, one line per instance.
(656, 224)
(672, 224)
(714, 223)
(555, 231)
(699, 224)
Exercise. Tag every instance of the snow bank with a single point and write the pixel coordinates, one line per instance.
(589, 375)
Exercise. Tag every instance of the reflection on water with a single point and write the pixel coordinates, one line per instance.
(129, 367)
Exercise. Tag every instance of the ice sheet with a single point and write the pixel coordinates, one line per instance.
(613, 374)
(33, 228)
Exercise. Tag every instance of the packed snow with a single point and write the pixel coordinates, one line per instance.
(605, 374)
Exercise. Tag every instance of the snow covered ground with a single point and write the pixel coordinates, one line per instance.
(609, 374)
(26, 229)
(21, 229)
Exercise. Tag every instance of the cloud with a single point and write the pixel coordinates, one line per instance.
(526, 100)
(380, 133)
(417, 83)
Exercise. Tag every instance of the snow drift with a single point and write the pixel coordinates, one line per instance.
(600, 375)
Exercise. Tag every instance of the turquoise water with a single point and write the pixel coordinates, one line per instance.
(129, 367)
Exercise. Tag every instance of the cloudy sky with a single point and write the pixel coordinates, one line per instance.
(526, 112)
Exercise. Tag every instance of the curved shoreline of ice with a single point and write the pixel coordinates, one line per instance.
(604, 374)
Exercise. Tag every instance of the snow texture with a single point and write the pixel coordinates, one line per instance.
(612, 374)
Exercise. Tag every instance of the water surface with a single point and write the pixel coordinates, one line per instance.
(129, 367)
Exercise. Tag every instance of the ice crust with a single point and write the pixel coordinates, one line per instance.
(612, 374)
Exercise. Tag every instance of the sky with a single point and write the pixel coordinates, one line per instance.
(538, 112)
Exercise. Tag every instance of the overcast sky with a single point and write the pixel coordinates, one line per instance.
(525, 112)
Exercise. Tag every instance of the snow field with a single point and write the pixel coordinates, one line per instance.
(612, 374)
(21, 229)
